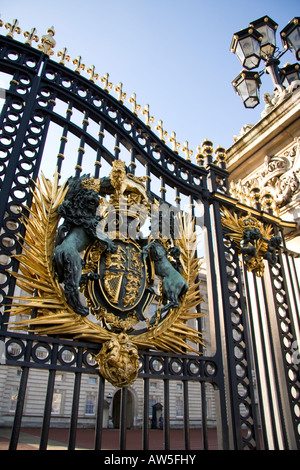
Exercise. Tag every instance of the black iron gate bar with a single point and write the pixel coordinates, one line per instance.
(36, 85)
(21, 351)
(288, 332)
(138, 131)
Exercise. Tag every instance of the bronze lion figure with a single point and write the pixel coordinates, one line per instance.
(79, 229)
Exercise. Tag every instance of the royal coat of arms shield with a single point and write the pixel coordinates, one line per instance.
(121, 282)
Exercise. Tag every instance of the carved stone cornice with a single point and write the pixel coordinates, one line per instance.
(278, 178)
(268, 136)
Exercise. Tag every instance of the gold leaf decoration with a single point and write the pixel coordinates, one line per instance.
(237, 226)
(36, 274)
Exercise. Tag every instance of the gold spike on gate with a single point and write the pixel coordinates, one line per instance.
(13, 28)
(31, 36)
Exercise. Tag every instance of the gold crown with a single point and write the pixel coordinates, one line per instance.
(91, 183)
(129, 189)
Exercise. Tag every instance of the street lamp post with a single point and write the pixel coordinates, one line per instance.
(257, 42)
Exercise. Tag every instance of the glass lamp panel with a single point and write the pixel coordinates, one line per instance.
(243, 90)
(286, 82)
(239, 53)
(272, 36)
(251, 62)
(246, 84)
(251, 102)
(289, 74)
(251, 50)
(294, 41)
(248, 90)
(292, 77)
(268, 42)
(252, 88)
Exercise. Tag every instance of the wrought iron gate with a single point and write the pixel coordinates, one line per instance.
(254, 321)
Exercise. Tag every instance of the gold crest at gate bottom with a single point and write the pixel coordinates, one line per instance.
(118, 361)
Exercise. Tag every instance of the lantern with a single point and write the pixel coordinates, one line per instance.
(246, 46)
(247, 84)
(290, 36)
(267, 28)
(289, 74)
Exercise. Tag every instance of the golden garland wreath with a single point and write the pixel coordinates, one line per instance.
(55, 317)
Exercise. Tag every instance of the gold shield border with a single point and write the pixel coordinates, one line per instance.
(55, 317)
(143, 268)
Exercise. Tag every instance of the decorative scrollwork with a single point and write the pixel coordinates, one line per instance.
(254, 240)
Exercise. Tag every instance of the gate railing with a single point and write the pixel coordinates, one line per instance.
(254, 321)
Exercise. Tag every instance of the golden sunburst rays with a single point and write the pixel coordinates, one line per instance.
(237, 226)
(36, 274)
(46, 299)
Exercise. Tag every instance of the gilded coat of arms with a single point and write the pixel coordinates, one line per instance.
(254, 240)
(91, 273)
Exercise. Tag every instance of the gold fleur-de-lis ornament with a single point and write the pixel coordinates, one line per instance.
(79, 65)
(63, 56)
(93, 76)
(162, 132)
(31, 36)
(13, 28)
(121, 94)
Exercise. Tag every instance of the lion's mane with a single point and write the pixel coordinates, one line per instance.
(79, 208)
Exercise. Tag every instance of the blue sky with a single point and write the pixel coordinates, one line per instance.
(173, 54)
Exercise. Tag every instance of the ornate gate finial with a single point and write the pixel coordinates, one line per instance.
(31, 36)
(149, 118)
(188, 152)
(13, 28)
(162, 133)
(176, 145)
(207, 149)
(63, 55)
(107, 83)
(135, 107)
(200, 158)
(93, 76)
(220, 153)
(79, 64)
(122, 94)
(48, 42)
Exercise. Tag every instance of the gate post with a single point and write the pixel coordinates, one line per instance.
(215, 328)
(283, 332)
(235, 351)
(25, 147)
